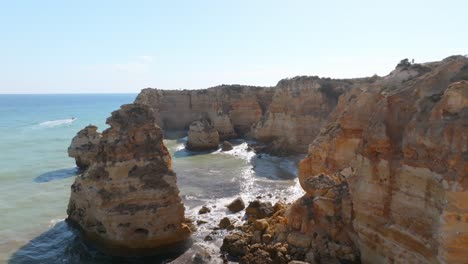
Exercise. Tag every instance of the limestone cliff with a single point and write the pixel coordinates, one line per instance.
(128, 198)
(84, 146)
(288, 115)
(232, 109)
(399, 146)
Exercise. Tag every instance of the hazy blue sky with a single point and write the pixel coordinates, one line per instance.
(123, 46)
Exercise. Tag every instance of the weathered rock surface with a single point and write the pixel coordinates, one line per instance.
(202, 136)
(226, 146)
(84, 146)
(231, 108)
(399, 146)
(288, 116)
(128, 200)
(237, 205)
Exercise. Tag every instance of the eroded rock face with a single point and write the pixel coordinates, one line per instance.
(400, 146)
(84, 146)
(128, 198)
(202, 136)
(287, 117)
(232, 109)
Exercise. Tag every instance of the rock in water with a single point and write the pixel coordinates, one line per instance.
(128, 200)
(237, 205)
(202, 136)
(226, 146)
(84, 146)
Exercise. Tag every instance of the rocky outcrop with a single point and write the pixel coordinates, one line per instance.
(232, 109)
(84, 146)
(202, 136)
(395, 153)
(288, 116)
(128, 200)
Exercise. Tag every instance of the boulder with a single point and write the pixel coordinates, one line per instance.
(224, 223)
(259, 210)
(204, 210)
(226, 146)
(202, 136)
(84, 146)
(127, 201)
(237, 205)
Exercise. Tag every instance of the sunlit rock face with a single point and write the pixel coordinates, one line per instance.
(232, 109)
(84, 146)
(202, 136)
(128, 198)
(400, 145)
(299, 107)
(288, 116)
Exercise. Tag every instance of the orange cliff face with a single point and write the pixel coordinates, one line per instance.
(400, 147)
(289, 115)
(127, 201)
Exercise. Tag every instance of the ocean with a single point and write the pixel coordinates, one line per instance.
(36, 174)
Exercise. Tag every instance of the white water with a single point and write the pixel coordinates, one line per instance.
(59, 122)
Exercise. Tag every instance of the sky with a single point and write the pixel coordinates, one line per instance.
(124, 46)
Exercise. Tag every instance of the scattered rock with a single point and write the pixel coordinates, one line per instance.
(226, 146)
(259, 210)
(236, 244)
(204, 210)
(200, 253)
(224, 223)
(237, 205)
(260, 224)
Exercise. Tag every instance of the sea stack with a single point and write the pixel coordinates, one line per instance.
(84, 146)
(128, 200)
(202, 136)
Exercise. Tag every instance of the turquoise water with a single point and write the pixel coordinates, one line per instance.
(35, 171)
(36, 174)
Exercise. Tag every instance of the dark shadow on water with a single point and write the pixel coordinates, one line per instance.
(57, 174)
(183, 153)
(274, 168)
(63, 244)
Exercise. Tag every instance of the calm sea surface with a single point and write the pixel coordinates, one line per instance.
(36, 174)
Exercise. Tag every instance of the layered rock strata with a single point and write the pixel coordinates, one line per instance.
(400, 147)
(287, 116)
(128, 200)
(84, 146)
(202, 136)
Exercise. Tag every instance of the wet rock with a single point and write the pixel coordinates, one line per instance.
(202, 136)
(237, 205)
(236, 244)
(204, 210)
(201, 222)
(200, 253)
(224, 223)
(226, 146)
(259, 210)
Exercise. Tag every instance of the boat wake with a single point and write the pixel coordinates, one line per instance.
(59, 122)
